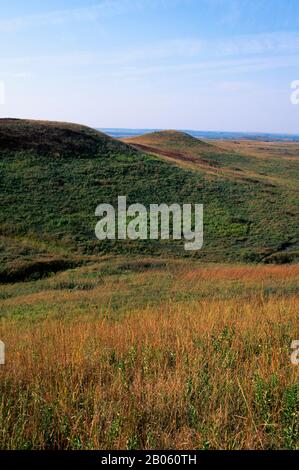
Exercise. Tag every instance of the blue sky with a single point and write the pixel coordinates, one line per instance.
(191, 64)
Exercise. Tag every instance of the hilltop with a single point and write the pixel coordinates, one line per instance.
(53, 176)
(54, 138)
(170, 138)
(237, 160)
(177, 146)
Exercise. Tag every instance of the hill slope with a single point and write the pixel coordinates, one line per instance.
(176, 146)
(268, 163)
(53, 176)
(171, 139)
(54, 138)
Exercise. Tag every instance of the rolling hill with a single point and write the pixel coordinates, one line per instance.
(53, 176)
(273, 163)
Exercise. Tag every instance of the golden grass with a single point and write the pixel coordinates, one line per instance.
(208, 373)
(262, 150)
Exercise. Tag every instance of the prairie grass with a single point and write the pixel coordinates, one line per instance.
(174, 357)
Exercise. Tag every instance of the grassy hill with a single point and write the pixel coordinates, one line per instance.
(272, 163)
(146, 349)
(53, 176)
(54, 139)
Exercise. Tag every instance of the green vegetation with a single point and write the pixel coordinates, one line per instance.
(53, 175)
(137, 345)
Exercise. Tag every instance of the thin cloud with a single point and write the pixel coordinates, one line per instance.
(238, 55)
(88, 13)
(242, 46)
(232, 66)
(177, 49)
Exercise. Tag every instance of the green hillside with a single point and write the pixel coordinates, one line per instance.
(272, 163)
(53, 176)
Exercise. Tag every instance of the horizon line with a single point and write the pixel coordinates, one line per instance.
(198, 130)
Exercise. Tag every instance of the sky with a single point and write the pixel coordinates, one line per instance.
(220, 65)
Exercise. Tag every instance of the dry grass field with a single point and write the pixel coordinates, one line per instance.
(146, 354)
